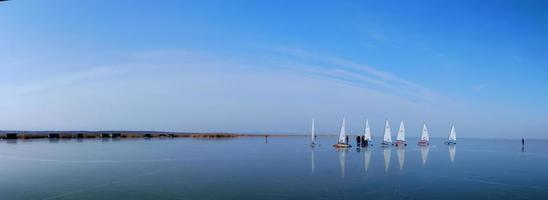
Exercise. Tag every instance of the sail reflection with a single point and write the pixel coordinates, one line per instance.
(424, 154)
(401, 156)
(452, 152)
(312, 163)
(367, 158)
(342, 159)
(386, 151)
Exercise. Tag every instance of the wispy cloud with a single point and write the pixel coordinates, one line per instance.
(298, 60)
(38, 86)
(361, 74)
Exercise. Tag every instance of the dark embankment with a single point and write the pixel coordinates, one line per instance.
(115, 134)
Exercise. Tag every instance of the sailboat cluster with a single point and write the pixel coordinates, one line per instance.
(365, 140)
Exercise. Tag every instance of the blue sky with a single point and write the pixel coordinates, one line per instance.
(270, 66)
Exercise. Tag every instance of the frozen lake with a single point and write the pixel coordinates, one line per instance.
(283, 168)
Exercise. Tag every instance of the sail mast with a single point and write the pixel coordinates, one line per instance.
(313, 133)
(387, 135)
(367, 135)
(401, 132)
(452, 134)
(424, 135)
(342, 133)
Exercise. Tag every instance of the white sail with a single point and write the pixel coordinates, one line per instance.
(342, 133)
(313, 133)
(342, 160)
(424, 135)
(367, 135)
(401, 133)
(452, 134)
(452, 152)
(367, 158)
(424, 154)
(386, 152)
(387, 133)
(401, 157)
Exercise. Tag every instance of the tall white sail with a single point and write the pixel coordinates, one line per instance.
(424, 135)
(342, 133)
(367, 135)
(313, 133)
(367, 158)
(387, 133)
(452, 152)
(452, 134)
(387, 152)
(401, 133)
(424, 154)
(401, 157)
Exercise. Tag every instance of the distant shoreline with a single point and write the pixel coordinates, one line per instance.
(119, 134)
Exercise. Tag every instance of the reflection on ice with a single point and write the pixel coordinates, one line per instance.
(342, 159)
(424, 153)
(401, 156)
(367, 158)
(452, 152)
(184, 168)
(386, 151)
(312, 166)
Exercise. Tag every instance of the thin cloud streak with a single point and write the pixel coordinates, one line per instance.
(298, 60)
(34, 87)
(366, 75)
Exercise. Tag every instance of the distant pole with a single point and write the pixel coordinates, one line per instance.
(266, 139)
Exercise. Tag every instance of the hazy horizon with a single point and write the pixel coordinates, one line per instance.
(272, 66)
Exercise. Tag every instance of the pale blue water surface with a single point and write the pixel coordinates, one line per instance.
(283, 168)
